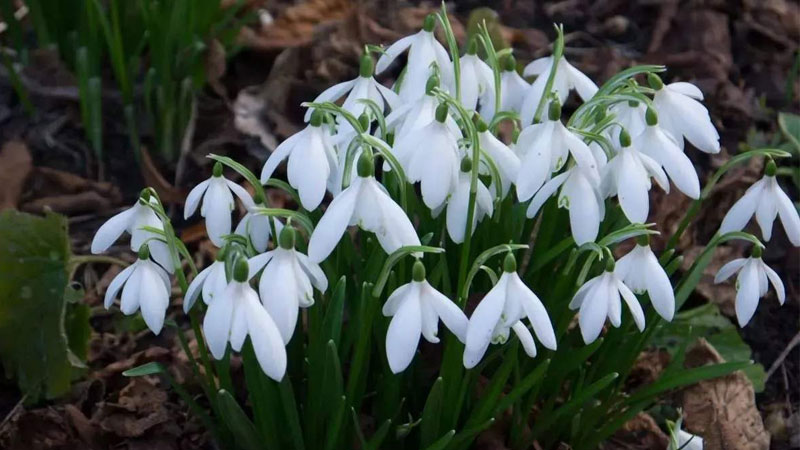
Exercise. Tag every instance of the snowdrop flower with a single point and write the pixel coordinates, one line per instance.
(687, 441)
(415, 309)
(580, 194)
(630, 116)
(627, 175)
(211, 281)
(641, 272)
(661, 147)
(458, 204)
(599, 298)
(365, 87)
(682, 114)
(147, 287)
(217, 200)
(364, 203)
(256, 226)
(766, 200)
(505, 159)
(412, 116)
(286, 283)
(423, 51)
(312, 158)
(751, 283)
(544, 149)
(477, 82)
(512, 86)
(134, 220)
(503, 308)
(432, 159)
(567, 78)
(236, 314)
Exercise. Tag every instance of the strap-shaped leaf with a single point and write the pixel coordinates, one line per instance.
(243, 430)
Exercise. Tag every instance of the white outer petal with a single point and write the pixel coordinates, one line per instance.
(404, 332)
(747, 293)
(333, 223)
(525, 338)
(193, 199)
(729, 269)
(267, 341)
(534, 310)
(741, 211)
(111, 230)
(217, 323)
(482, 323)
(116, 285)
(452, 316)
(593, 311)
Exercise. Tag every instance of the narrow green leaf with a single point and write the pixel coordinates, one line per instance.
(431, 414)
(244, 432)
(377, 439)
(151, 368)
(573, 404)
(522, 387)
(441, 444)
(685, 377)
(291, 413)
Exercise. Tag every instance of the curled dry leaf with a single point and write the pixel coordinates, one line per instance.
(722, 410)
(15, 166)
(641, 432)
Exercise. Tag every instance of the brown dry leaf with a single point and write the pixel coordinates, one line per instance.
(295, 26)
(69, 194)
(15, 166)
(152, 177)
(39, 429)
(641, 432)
(216, 65)
(141, 406)
(722, 410)
(648, 368)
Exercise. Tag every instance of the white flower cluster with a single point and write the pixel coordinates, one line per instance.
(461, 167)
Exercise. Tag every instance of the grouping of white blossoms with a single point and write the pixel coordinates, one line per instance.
(642, 144)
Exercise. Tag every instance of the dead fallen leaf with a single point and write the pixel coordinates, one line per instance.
(153, 178)
(647, 368)
(140, 407)
(722, 410)
(15, 166)
(216, 64)
(68, 193)
(641, 432)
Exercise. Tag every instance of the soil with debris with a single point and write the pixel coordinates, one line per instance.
(740, 53)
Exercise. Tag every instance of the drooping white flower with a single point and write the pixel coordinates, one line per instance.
(423, 51)
(752, 283)
(312, 159)
(236, 314)
(545, 148)
(641, 272)
(211, 281)
(686, 441)
(580, 194)
(766, 200)
(505, 159)
(598, 299)
(416, 309)
(365, 87)
(512, 86)
(683, 116)
(146, 287)
(567, 78)
(364, 203)
(627, 175)
(630, 116)
(663, 149)
(135, 220)
(458, 204)
(256, 227)
(286, 283)
(502, 309)
(217, 204)
(477, 83)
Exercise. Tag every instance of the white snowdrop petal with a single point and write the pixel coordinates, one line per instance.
(525, 338)
(746, 294)
(633, 305)
(535, 164)
(729, 269)
(593, 312)
(282, 152)
(403, 334)
(333, 223)
(585, 87)
(308, 172)
(217, 323)
(314, 272)
(659, 287)
(430, 320)
(741, 211)
(392, 52)
(279, 295)
(396, 298)
(696, 124)
(457, 209)
(789, 216)
(116, 284)
(687, 89)
(584, 212)
(331, 94)
(580, 295)
(545, 193)
(538, 66)
(395, 230)
(632, 189)
(111, 230)
(267, 343)
(614, 302)
(535, 311)
(129, 301)
(194, 289)
(482, 324)
(154, 299)
(239, 324)
(194, 197)
(453, 317)
(780, 291)
(217, 204)
(215, 283)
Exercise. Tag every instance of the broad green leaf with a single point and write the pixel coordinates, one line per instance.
(34, 343)
(706, 321)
